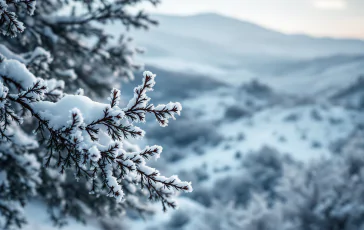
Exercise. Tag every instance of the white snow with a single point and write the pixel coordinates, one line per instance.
(57, 112)
(18, 72)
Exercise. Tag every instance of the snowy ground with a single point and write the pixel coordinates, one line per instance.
(304, 130)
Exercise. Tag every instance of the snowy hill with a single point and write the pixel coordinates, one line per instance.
(268, 93)
(318, 76)
(351, 96)
(224, 119)
(240, 38)
(222, 126)
(235, 51)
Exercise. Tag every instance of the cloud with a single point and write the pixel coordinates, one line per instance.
(330, 4)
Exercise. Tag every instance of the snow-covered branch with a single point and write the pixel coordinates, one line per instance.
(45, 117)
(139, 106)
(77, 38)
(9, 23)
(87, 136)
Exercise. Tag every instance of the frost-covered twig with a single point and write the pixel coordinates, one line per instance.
(9, 23)
(139, 105)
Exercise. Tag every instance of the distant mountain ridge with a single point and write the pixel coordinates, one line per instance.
(236, 37)
(236, 51)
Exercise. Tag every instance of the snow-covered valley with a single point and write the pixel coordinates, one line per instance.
(244, 90)
(303, 100)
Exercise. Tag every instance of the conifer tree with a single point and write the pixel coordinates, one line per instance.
(59, 145)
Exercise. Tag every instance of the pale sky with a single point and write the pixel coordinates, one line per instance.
(334, 18)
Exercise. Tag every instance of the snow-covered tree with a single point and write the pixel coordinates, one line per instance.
(192, 215)
(74, 32)
(45, 121)
(274, 192)
(243, 199)
(326, 194)
(260, 172)
(259, 215)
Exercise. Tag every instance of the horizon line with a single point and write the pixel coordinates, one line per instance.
(348, 38)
